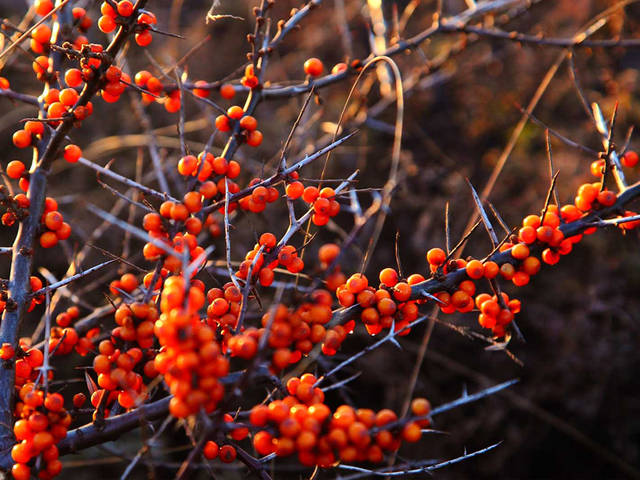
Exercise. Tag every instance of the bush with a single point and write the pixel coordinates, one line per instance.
(243, 282)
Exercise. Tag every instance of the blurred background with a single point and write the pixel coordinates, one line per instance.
(575, 412)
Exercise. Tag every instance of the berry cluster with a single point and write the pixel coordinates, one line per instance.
(206, 165)
(382, 308)
(259, 198)
(250, 80)
(112, 17)
(301, 423)
(322, 200)
(17, 206)
(190, 359)
(64, 338)
(267, 250)
(248, 125)
(42, 422)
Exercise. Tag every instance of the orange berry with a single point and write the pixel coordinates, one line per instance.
(294, 190)
(235, 112)
(106, 24)
(475, 269)
(436, 256)
(420, 407)
(53, 220)
(606, 198)
(42, 7)
(222, 123)
(187, 165)
(491, 269)
(254, 138)
(520, 251)
(210, 450)
(550, 257)
(629, 159)
(227, 91)
(531, 265)
(125, 8)
(15, 169)
(248, 123)
(22, 139)
(411, 432)
(68, 97)
(48, 240)
(313, 67)
(143, 38)
(227, 454)
(389, 277)
(72, 153)
(20, 471)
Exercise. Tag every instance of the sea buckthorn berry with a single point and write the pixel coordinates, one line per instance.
(254, 138)
(15, 169)
(235, 112)
(388, 277)
(192, 201)
(53, 220)
(527, 235)
(597, 168)
(606, 198)
(475, 269)
(125, 8)
(570, 213)
(436, 256)
(106, 24)
(507, 271)
(550, 257)
(402, 291)
(79, 400)
(544, 233)
(72, 153)
(531, 221)
(328, 253)
(42, 7)
(248, 123)
(227, 454)
(294, 190)
(54, 402)
(268, 240)
(7, 351)
(34, 128)
(520, 279)
(357, 283)
(520, 251)
(48, 240)
(491, 269)
(210, 450)
(41, 34)
(530, 265)
(22, 139)
(222, 123)
(420, 407)
(588, 192)
(310, 194)
(227, 91)
(68, 97)
(313, 67)
(143, 38)
(73, 77)
(629, 159)
(187, 165)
